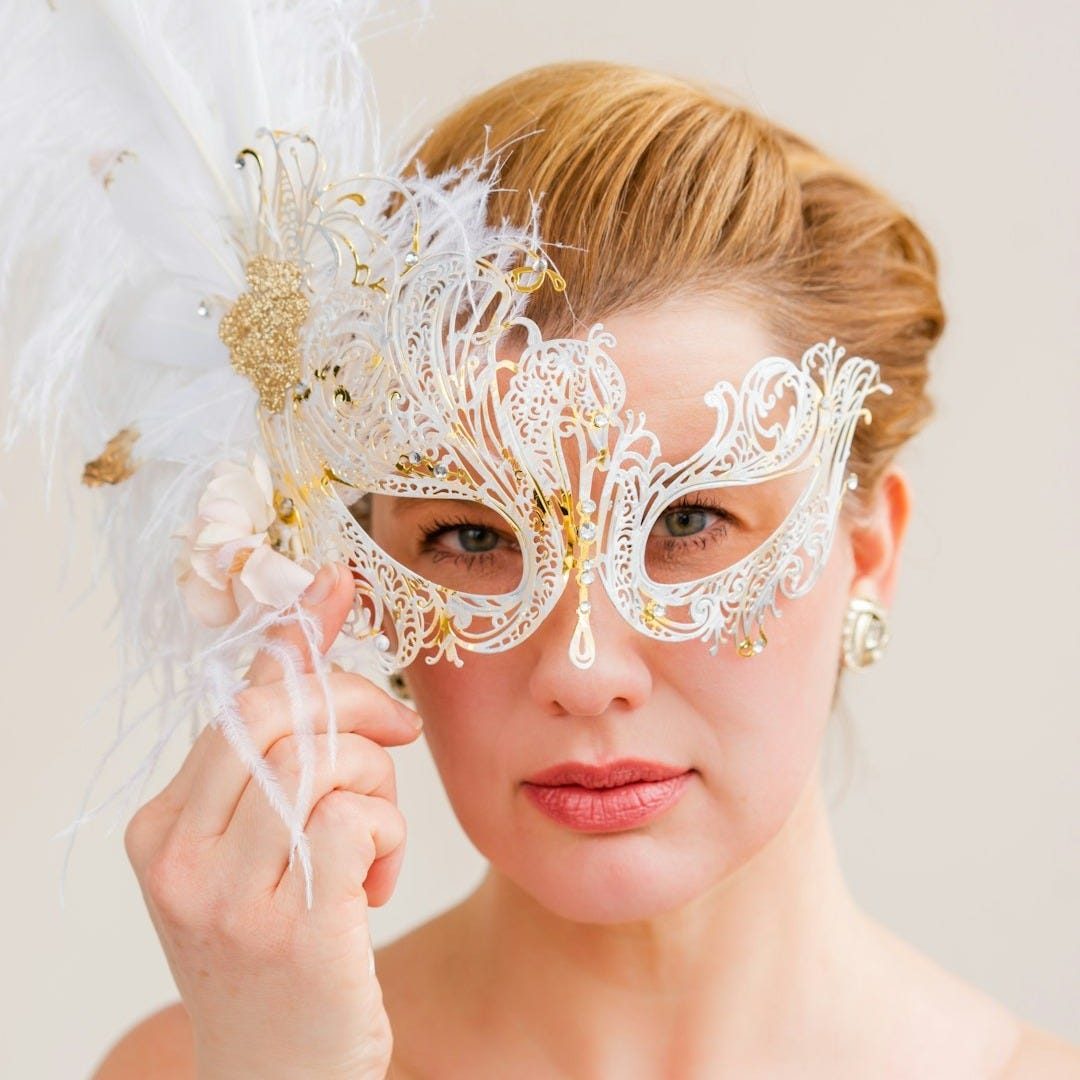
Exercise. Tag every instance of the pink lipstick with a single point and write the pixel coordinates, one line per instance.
(606, 798)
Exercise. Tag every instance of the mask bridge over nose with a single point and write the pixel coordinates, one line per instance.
(580, 532)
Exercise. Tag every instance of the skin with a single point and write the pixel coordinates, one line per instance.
(719, 939)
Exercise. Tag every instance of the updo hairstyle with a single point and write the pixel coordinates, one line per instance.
(650, 186)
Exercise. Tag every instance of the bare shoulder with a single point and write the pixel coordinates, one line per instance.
(1041, 1055)
(954, 1028)
(159, 1047)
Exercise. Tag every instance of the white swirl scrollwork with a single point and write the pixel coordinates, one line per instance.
(423, 378)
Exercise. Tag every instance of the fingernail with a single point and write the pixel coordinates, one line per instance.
(414, 718)
(323, 585)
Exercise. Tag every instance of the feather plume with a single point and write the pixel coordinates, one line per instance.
(125, 217)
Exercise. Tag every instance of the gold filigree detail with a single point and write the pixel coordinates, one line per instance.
(262, 329)
(285, 506)
(531, 277)
(445, 638)
(579, 530)
(652, 614)
(580, 536)
(416, 464)
(242, 158)
(114, 463)
(747, 648)
(362, 274)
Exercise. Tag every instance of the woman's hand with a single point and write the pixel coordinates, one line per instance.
(276, 991)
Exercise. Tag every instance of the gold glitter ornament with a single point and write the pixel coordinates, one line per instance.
(262, 329)
(114, 463)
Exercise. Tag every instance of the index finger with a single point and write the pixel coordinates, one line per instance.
(214, 787)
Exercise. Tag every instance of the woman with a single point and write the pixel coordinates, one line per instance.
(694, 921)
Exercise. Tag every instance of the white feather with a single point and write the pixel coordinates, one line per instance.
(124, 214)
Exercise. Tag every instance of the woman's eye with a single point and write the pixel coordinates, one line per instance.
(470, 557)
(686, 522)
(689, 542)
(475, 538)
(465, 539)
(683, 521)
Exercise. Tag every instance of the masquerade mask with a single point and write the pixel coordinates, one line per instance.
(420, 378)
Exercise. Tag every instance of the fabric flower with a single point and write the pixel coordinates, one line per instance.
(228, 561)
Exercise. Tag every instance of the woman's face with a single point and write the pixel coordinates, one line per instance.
(745, 730)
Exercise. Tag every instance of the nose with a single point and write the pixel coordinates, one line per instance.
(619, 677)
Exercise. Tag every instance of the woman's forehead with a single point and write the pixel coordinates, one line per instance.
(671, 354)
(688, 342)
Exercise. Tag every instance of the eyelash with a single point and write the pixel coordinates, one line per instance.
(672, 546)
(468, 559)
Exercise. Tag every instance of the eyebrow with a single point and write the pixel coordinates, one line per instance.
(402, 504)
(405, 504)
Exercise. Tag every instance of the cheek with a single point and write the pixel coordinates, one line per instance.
(468, 732)
(760, 722)
(787, 692)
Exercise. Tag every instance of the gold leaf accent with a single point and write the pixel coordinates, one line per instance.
(530, 279)
(238, 560)
(426, 468)
(262, 329)
(114, 463)
(748, 648)
(649, 615)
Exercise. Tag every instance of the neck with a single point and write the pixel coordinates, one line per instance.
(768, 949)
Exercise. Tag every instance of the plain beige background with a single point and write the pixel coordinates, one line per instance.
(958, 827)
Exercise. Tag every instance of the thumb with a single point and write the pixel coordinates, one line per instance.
(330, 596)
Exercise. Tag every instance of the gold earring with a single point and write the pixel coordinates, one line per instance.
(399, 686)
(866, 633)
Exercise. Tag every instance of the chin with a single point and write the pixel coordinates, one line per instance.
(615, 878)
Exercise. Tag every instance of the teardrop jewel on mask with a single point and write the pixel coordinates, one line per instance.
(582, 644)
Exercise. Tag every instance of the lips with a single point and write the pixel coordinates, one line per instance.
(606, 798)
(612, 774)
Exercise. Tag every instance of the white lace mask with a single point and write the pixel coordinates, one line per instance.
(567, 485)
(428, 384)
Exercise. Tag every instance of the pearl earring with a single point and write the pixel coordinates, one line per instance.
(866, 633)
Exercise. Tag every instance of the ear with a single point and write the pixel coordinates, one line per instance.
(877, 537)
